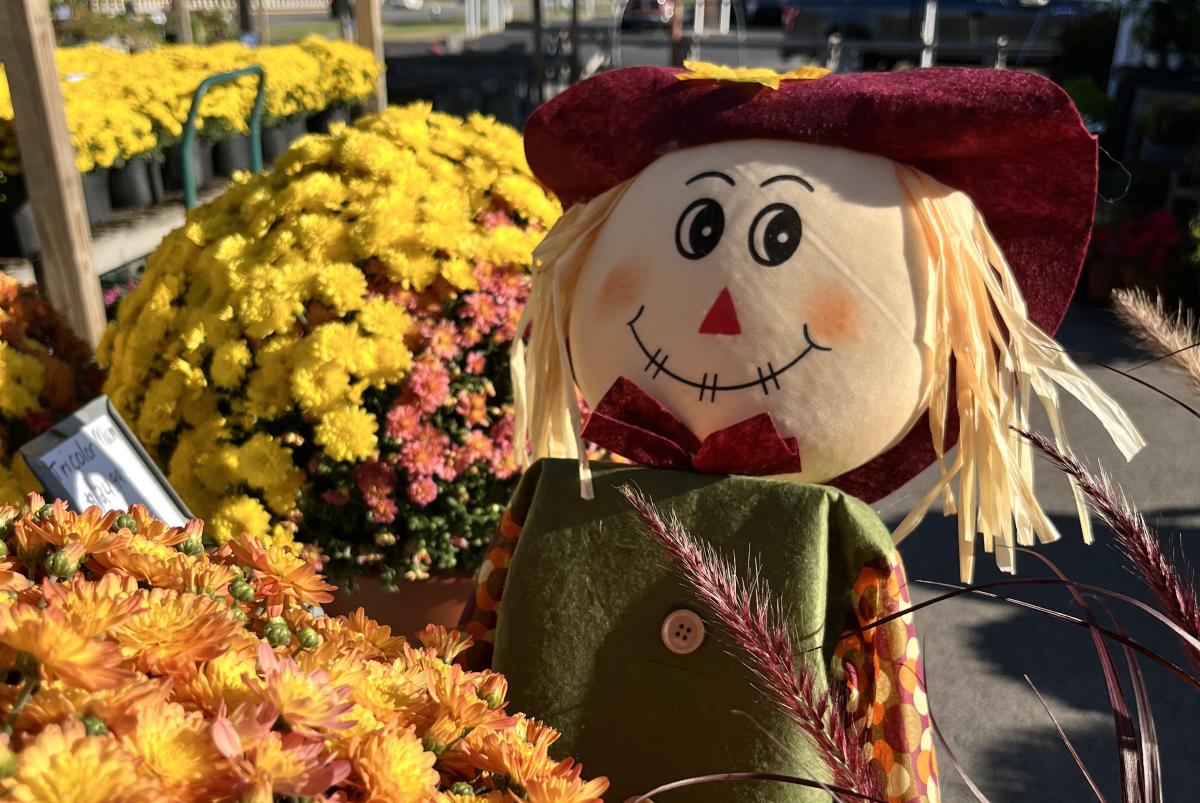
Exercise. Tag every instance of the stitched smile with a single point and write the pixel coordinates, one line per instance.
(711, 386)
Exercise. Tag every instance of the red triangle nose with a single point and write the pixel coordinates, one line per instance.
(722, 319)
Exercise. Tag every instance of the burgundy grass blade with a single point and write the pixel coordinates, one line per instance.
(1062, 734)
(954, 762)
(725, 777)
(1128, 749)
(756, 626)
(1173, 588)
(1151, 762)
(980, 590)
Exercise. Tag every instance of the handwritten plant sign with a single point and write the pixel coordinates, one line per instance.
(92, 458)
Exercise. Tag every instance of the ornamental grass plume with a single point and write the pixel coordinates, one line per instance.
(758, 632)
(46, 372)
(1170, 335)
(321, 353)
(1173, 586)
(115, 688)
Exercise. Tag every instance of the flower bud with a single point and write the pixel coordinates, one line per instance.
(240, 615)
(241, 591)
(94, 725)
(8, 762)
(493, 690)
(62, 563)
(308, 638)
(124, 522)
(278, 635)
(463, 788)
(43, 512)
(192, 547)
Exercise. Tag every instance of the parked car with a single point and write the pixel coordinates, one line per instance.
(647, 13)
(967, 30)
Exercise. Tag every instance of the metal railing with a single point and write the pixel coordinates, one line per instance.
(189, 128)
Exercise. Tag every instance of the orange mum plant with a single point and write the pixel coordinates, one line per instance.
(138, 666)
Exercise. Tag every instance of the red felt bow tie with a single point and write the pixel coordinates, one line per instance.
(631, 423)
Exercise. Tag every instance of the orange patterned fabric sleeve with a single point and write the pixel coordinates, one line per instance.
(881, 669)
(483, 609)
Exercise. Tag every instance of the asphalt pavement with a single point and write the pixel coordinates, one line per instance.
(977, 650)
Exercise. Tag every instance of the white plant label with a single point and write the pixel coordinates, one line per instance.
(98, 467)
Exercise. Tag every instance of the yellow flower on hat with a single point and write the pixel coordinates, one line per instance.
(764, 76)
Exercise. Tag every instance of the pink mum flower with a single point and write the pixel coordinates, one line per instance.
(441, 340)
(403, 422)
(430, 383)
(422, 491)
(426, 454)
(476, 362)
(336, 497)
(472, 407)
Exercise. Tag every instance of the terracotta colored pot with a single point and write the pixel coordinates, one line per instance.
(439, 600)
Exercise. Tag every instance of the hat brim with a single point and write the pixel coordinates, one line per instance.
(1012, 141)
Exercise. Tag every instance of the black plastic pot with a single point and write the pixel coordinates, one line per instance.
(277, 138)
(202, 164)
(28, 243)
(95, 195)
(231, 154)
(12, 196)
(132, 185)
(319, 123)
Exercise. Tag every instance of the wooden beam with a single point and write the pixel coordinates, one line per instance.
(54, 187)
(370, 35)
(183, 21)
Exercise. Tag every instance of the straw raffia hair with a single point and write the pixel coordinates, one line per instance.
(987, 358)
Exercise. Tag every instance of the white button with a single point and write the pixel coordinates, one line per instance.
(682, 632)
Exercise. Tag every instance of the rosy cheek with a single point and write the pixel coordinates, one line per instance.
(832, 315)
(621, 289)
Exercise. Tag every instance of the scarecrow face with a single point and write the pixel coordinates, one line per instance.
(762, 276)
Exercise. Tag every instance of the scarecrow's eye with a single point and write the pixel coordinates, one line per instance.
(775, 234)
(699, 228)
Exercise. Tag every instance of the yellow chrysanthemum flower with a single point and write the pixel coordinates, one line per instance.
(304, 699)
(176, 630)
(394, 765)
(177, 748)
(347, 433)
(238, 515)
(65, 765)
(60, 651)
(763, 76)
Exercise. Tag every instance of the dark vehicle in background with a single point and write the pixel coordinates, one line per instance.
(884, 32)
(764, 13)
(647, 13)
(655, 13)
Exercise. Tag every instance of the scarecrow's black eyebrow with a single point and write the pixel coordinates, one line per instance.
(796, 179)
(711, 174)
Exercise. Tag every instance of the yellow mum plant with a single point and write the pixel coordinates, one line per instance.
(45, 373)
(120, 105)
(321, 352)
(141, 667)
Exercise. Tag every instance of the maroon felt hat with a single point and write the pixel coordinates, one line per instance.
(1013, 141)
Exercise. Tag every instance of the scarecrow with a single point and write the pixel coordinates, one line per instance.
(782, 297)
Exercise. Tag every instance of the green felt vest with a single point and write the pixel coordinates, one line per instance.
(587, 590)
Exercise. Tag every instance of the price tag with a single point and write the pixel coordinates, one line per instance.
(92, 458)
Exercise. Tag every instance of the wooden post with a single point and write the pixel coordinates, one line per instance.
(68, 276)
(370, 35)
(183, 21)
(264, 24)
